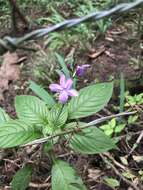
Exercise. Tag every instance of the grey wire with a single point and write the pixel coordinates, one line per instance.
(86, 125)
(13, 43)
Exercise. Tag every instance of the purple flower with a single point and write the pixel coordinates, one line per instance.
(64, 89)
(80, 70)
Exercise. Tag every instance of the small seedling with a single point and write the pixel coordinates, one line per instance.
(137, 99)
(112, 127)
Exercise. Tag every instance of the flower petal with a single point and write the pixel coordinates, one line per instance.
(62, 80)
(63, 97)
(85, 66)
(68, 84)
(55, 87)
(72, 92)
(80, 70)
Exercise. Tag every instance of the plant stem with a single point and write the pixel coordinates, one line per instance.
(122, 92)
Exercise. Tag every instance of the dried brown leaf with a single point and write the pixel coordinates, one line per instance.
(9, 71)
(97, 53)
(94, 174)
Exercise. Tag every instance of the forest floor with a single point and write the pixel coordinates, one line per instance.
(117, 51)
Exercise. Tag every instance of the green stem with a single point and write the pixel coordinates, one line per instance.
(52, 156)
(122, 92)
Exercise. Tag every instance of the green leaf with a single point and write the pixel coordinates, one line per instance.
(132, 119)
(63, 65)
(139, 97)
(47, 130)
(105, 127)
(131, 100)
(112, 182)
(124, 160)
(17, 132)
(119, 128)
(91, 99)
(91, 141)
(128, 175)
(109, 132)
(32, 109)
(3, 116)
(48, 146)
(42, 93)
(57, 116)
(112, 123)
(64, 177)
(22, 178)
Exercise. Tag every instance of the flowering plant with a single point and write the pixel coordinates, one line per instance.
(45, 120)
(64, 89)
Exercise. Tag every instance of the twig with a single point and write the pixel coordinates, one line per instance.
(136, 143)
(129, 134)
(48, 178)
(30, 150)
(107, 111)
(115, 162)
(7, 187)
(35, 185)
(75, 130)
(12, 162)
(118, 173)
(65, 155)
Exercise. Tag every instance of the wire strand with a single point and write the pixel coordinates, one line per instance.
(13, 43)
